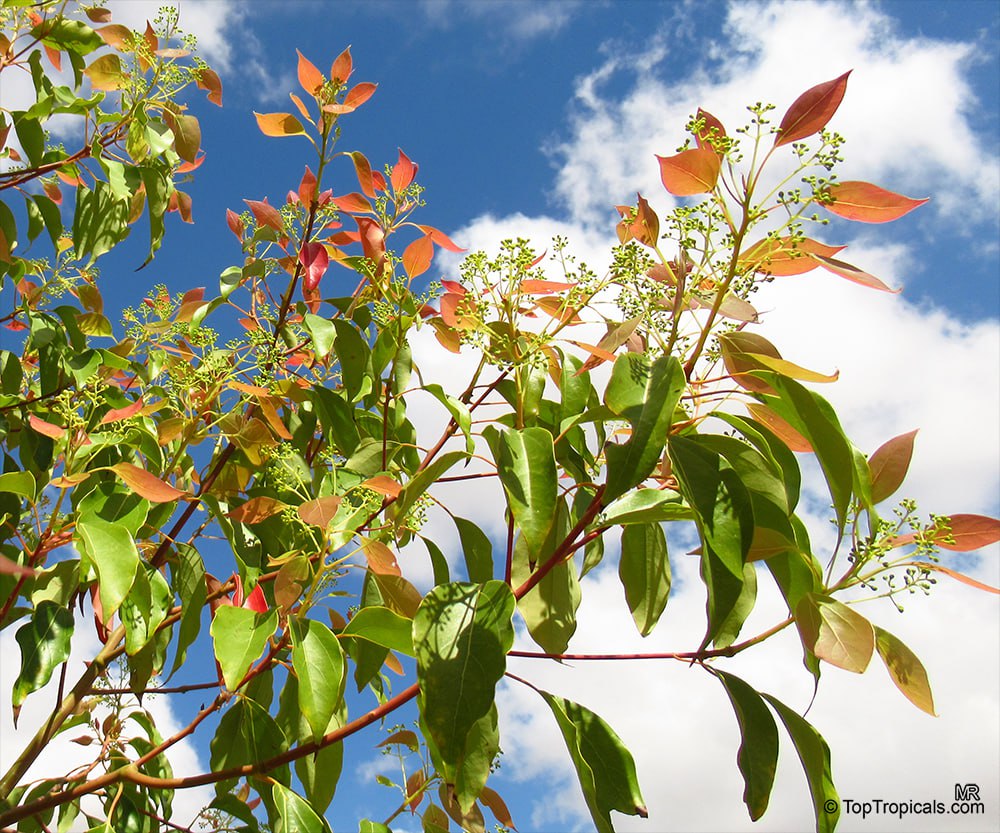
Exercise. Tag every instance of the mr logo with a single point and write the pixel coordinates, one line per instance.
(967, 792)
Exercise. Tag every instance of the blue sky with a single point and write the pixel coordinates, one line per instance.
(529, 119)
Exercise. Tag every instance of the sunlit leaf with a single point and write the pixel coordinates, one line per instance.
(319, 665)
(315, 260)
(310, 77)
(644, 571)
(867, 203)
(187, 134)
(690, 172)
(403, 172)
(112, 550)
(147, 484)
(208, 79)
(811, 111)
(969, 532)
(105, 73)
(279, 124)
(417, 256)
(835, 632)
(240, 635)
(889, 464)
(45, 642)
(320, 511)
(852, 273)
(906, 671)
(785, 256)
(265, 214)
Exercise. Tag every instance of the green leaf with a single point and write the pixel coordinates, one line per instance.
(355, 359)
(20, 483)
(526, 466)
(459, 412)
(815, 757)
(383, 627)
(111, 549)
(725, 631)
(779, 455)
(318, 661)
(721, 503)
(642, 506)
(247, 734)
(100, 221)
(322, 332)
(906, 671)
(834, 632)
(240, 636)
(603, 765)
(812, 416)
(188, 574)
(462, 633)
(438, 562)
(159, 187)
(644, 571)
(369, 826)
(758, 755)
(423, 479)
(320, 772)
(144, 608)
(549, 608)
(645, 394)
(45, 643)
(477, 549)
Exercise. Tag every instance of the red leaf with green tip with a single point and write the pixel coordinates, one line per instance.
(690, 172)
(867, 203)
(889, 464)
(811, 111)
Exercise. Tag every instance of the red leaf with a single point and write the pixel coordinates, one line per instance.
(12, 568)
(958, 576)
(646, 227)
(453, 286)
(559, 309)
(307, 187)
(713, 128)
(417, 256)
(147, 485)
(208, 79)
(440, 239)
(279, 124)
(51, 189)
(811, 111)
(319, 512)
(867, 203)
(970, 532)
(383, 485)
(889, 464)
(46, 428)
(265, 214)
(315, 260)
(364, 172)
(403, 172)
(690, 172)
(256, 601)
(181, 202)
(784, 256)
(187, 167)
(852, 273)
(235, 223)
(456, 311)
(352, 202)
(310, 77)
(55, 56)
(788, 435)
(380, 558)
(256, 509)
(342, 67)
(122, 413)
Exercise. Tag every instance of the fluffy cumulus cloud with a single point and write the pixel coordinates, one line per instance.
(902, 366)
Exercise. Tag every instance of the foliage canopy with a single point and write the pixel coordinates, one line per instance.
(267, 423)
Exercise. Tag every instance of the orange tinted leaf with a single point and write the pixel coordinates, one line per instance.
(788, 435)
(47, 429)
(785, 256)
(98, 15)
(559, 310)
(310, 77)
(307, 187)
(181, 202)
(342, 67)
(352, 202)
(265, 214)
(319, 512)
(146, 484)
(534, 287)
(235, 223)
(12, 568)
(456, 311)
(383, 485)
(149, 35)
(128, 411)
(690, 172)
(208, 79)
(301, 107)
(380, 558)
(867, 203)
(811, 111)
(598, 353)
(713, 128)
(403, 172)
(888, 465)
(852, 273)
(54, 56)
(970, 532)
(256, 509)
(105, 73)
(372, 240)
(453, 286)
(497, 806)
(279, 124)
(187, 167)
(407, 738)
(116, 36)
(417, 256)
(359, 94)
(646, 228)
(440, 239)
(364, 172)
(959, 576)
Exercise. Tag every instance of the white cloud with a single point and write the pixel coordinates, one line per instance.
(523, 22)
